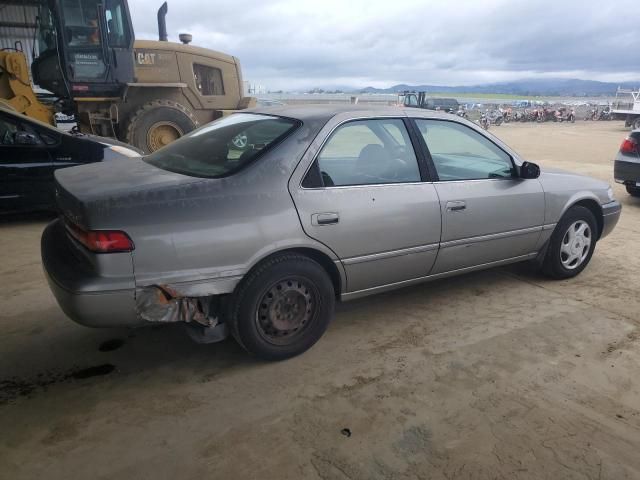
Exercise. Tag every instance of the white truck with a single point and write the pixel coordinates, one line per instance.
(627, 107)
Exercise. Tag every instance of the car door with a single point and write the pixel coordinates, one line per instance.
(364, 196)
(25, 166)
(488, 213)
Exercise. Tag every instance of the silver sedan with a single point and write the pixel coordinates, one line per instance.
(321, 203)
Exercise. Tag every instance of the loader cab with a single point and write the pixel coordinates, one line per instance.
(411, 100)
(86, 48)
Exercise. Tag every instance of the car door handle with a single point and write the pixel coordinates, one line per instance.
(456, 206)
(328, 218)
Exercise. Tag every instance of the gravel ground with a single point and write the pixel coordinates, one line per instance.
(501, 374)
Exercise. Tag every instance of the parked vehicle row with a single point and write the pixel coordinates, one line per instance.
(498, 116)
(596, 114)
(543, 114)
(333, 203)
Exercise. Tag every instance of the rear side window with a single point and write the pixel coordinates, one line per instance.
(224, 146)
(10, 126)
(366, 152)
(8, 129)
(208, 79)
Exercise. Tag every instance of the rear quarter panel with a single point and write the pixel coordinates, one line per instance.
(201, 238)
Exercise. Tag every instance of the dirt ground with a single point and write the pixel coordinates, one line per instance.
(501, 374)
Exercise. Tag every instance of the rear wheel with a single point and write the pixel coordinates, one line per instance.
(636, 123)
(282, 308)
(158, 123)
(572, 243)
(633, 191)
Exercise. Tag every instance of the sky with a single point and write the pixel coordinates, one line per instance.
(298, 45)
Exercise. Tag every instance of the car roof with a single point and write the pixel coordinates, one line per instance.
(324, 112)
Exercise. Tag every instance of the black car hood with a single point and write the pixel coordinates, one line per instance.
(107, 142)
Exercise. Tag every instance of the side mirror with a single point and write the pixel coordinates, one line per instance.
(529, 170)
(24, 138)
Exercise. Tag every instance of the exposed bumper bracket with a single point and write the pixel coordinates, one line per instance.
(162, 304)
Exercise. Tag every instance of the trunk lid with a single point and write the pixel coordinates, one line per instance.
(90, 195)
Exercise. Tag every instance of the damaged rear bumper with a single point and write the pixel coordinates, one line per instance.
(163, 304)
(95, 298)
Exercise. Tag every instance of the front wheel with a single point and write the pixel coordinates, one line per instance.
(282, 308)
(572, 243)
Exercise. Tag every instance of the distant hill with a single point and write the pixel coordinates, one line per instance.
(533, 87)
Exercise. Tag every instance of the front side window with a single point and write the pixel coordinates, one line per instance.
(208, 79)
(224, 146)
(460, 153)
(366, 152)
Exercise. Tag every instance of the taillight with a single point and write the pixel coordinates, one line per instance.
(101, 241)
(629, 145)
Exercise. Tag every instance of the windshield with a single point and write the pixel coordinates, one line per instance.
(222, 147)
(81, 26)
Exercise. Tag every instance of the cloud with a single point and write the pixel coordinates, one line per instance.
(291, 44)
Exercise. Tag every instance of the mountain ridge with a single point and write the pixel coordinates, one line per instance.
(528, 87)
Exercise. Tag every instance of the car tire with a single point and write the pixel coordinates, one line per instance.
(559, 262)
(633, 191)
(157, 123)
(282, 308)
(636, 123)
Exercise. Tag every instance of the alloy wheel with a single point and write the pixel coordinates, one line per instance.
(575, 245)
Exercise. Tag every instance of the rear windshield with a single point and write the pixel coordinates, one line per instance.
(224, 146)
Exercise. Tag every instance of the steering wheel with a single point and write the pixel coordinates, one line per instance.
(397, 168)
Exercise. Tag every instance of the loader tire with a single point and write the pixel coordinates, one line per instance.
(158, 123)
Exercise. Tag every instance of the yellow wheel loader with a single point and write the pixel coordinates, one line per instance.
(146, 93)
